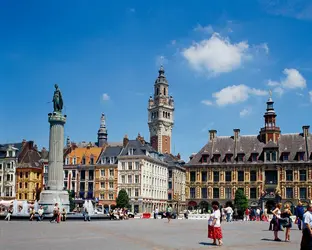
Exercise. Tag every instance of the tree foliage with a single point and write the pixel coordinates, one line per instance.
(71, 196)
(122, 199)
(240, 201)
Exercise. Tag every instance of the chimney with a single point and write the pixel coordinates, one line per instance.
(23, 142)
(36, 147)
(125, 141)
(140, 138)
(30, 144)
(236, 133)
(305, 130)
(212, 134)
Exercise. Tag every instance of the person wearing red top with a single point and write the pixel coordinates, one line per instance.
(246, 215)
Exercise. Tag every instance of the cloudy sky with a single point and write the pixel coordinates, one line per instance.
(221, 59)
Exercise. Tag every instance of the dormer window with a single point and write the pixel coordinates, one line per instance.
(74, 161)
(83, 162)
(130, 151)
(216, 158)
(254, 157)
(301, 156)
(270, 156)
(228, 157)
(285, 156)
(240, 157)
(204, 158)
(66, 161)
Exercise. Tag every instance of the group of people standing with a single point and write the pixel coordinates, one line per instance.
(58, 216)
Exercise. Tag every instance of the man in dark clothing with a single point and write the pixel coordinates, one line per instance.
(299, 211)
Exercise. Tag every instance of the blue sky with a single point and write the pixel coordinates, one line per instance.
(221, 59)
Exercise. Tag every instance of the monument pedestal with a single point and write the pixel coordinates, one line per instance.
(48, 198)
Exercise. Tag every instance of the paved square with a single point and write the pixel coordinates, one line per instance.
(138, 234)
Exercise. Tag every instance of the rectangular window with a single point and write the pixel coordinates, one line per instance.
(253, 193)
(102, 172)
(111, 172)
(170, 174)
(20, 185)
(216, 194)
(1, 166)
(268, 156)
(228, 158)
(289, 193)
(216, 158)
(91, 175)
(74, 174)
(228, 193)
(26, 175)
(169, 185)
(216, 176)
(303, 193)
(169, 197)
(303, 175)
(228, 176)
(123, 166)
(289, 175)
(204, 176)
(111, 184)
(26, 185)
(137, 165)
(204, 193)
(26, 197)
(129, 179)
(129, 192)
(193, 176)
(192, 193)
(123, 179)
(240, 176)
(253, 175)
(111, 196)
(273, 156)
(20, 196)
(136, 192)
(102, 185)
(240, 157)
(301, 156)
(101, 196)
(82, 175)
(285, 156)
(254, 157)
(129, 165)
(66, 174)
(136, 180)
(21, 174)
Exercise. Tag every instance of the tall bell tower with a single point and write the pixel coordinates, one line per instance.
(160, 114)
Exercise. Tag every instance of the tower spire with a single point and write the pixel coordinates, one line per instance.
(102, 132)
(160, 114)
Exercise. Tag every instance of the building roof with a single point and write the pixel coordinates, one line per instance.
(86, 152)
(5, 147)
(31, 159)
(110, 151)
(249, 144)
(139, 148)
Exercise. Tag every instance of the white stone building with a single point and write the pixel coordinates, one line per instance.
(143, 173)
(8, 160)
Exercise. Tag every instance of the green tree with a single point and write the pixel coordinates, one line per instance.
(240, 202)
(71, 196)
(122, 199)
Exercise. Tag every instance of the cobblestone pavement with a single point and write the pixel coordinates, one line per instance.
(138, 234)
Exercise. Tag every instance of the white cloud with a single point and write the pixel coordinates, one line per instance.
(310, 95)
(105, 97)
(292, 80)
(207, 102)
(217, 55)
(245, 112)
(235, 94)
(206, 29)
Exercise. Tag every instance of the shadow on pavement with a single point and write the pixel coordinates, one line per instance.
(206, 244)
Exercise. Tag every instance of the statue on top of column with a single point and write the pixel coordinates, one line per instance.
(57, 99)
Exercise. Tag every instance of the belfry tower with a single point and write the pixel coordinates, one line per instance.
(270, 132)
(160, 114)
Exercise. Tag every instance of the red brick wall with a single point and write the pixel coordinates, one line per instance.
(154, 142)
(166, 144)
